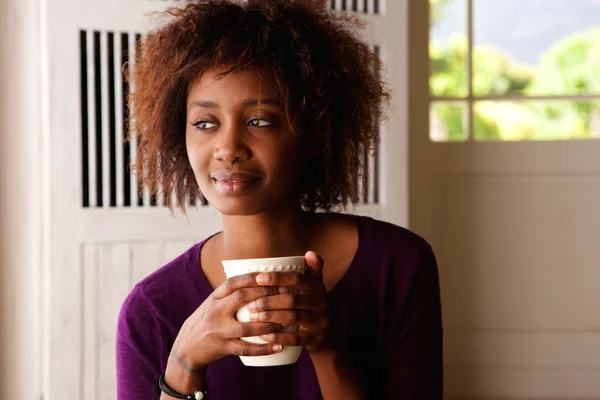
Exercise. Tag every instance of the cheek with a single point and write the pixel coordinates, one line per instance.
(195, 153)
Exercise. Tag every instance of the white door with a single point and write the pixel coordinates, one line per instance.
(102, 237)
(515, 224)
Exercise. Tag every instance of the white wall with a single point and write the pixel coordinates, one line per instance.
(21, 190)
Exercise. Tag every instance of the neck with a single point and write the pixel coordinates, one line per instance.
(276, 233)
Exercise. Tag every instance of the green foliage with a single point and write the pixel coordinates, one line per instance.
(448, 66)
(453, 118)
(495, 72)
(569, 67)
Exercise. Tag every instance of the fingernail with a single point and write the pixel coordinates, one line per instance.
(252, 306)
(253, 316)
(283, 290)
(277, 348)
(261, 279)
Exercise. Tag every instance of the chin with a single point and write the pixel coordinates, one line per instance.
(238, 209)
(238, 205)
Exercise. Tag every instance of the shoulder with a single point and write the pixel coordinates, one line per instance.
(137, 316)
(391, 241)
(397, 256)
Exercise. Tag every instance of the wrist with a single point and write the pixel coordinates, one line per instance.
(183, 382)
(185, 359)
(184, 376)
(325, 356)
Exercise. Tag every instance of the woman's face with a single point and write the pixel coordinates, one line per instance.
(238, 142)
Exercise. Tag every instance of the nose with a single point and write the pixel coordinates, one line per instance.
(231, 146)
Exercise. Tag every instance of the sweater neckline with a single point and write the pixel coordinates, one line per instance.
(204, 289)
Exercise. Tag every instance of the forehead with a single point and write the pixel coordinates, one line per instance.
(233, 87)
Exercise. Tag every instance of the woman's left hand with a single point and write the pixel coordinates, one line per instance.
(306, 306)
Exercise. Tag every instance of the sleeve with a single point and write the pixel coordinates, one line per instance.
(139, 348)
(413, 368)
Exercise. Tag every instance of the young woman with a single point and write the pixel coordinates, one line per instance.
(263, 108)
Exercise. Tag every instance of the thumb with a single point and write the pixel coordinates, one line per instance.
(314, 264)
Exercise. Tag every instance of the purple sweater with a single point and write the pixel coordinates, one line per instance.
(385, 311)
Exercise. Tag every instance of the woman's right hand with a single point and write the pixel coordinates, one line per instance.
(212, 331)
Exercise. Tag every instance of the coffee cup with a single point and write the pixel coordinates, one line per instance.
(289, 354)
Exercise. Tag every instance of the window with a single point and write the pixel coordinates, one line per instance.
(512, 70)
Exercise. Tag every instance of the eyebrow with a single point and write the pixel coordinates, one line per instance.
(245, 103)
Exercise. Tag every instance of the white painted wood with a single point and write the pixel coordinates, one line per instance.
(146, 198)
(147, 224)
(141, 224)
(372, 182)
(393, 154)
(90, 342)
(522, 383)
(91, 101)
(23, 198)
(514, 287)
(359, 180)
(97, 254)
(112, 280)
(146, 257)
(174, 200)
(520, 348)
(119, 119)
(515, 228)
(63, 370)
(160, 199)
(373, 160)
(133, 142)
(105, 119)
(174, 248)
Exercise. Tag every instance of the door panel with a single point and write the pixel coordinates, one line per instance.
(102, 236)
(515, 227)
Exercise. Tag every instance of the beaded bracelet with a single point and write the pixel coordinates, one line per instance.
(166, 389)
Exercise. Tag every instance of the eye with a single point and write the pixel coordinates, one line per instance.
(204, 125)
(259, 123)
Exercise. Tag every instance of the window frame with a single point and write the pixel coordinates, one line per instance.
(420, 8)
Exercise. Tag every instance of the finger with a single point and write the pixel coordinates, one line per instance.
(240, 348)
(301, 338)
(243, 296)
(289, 279)
(287, 301)
(234, 283)
(314, 264)
(238, 330)
(286, 317)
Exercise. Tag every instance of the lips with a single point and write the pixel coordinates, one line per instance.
(234, 182)
(239, 176)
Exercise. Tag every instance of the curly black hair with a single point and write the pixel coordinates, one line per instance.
(329, 80)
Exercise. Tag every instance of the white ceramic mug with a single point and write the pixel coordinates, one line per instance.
(289, 354)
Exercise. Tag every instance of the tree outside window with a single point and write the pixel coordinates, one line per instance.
(510, 70)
